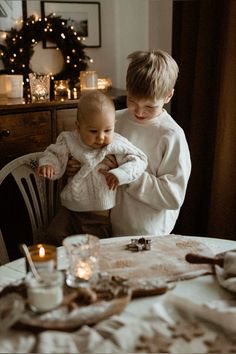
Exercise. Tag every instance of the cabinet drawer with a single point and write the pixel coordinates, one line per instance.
(29, 132)
(65, 120)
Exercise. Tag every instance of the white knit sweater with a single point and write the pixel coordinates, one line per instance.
(87, 190)
(151, 204)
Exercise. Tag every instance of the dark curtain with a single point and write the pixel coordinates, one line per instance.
(204, 104)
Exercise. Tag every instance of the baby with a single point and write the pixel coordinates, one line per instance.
(89, 195)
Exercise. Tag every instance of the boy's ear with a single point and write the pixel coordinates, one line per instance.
(169, 96)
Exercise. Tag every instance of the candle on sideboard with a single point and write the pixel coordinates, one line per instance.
(44, 256)
(88, 80)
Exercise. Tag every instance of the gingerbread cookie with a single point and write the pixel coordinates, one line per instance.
(221, 344)
(186, 330)
(155, 344)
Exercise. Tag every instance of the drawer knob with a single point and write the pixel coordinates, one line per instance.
(4, 132)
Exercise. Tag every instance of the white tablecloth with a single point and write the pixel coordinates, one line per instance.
(152, 317)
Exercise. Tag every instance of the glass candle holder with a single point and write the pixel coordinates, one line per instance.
(82, 254)
(43, 256)
(88, 80)
(39, 87)
(47, 294)
(104, 83)
(14, 86)
(61, 89)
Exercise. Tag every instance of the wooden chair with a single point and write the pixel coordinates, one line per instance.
(40, 196)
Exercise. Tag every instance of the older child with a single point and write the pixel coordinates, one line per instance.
(88, 196)
(151, 204)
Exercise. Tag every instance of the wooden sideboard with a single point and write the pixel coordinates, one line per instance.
(29, 127)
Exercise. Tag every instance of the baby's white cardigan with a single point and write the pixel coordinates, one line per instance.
(87, 190)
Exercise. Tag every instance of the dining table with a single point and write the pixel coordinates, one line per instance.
(195, 313)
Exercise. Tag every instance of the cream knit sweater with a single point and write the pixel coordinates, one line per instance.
(87, 190)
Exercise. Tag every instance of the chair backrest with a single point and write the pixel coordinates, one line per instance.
(3, 250)
(41, 196)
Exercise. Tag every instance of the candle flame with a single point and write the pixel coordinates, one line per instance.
(84, 270)
(41, 252)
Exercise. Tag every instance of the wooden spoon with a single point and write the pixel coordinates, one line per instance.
(197, 258)
(25, 250)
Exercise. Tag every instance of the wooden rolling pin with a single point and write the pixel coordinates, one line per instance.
(197, 258)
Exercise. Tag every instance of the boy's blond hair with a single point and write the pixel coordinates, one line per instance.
(92, 102)
(151, 74)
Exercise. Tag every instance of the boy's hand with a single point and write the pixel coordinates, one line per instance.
(110, 162)
(46, 171)
(72, 167)
(111, 179)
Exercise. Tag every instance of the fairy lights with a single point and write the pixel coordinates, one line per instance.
(19, 48)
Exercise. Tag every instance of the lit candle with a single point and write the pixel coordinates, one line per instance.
(47, 294)
(75, 95)
(104, 83)
(82, 254)
(44, 256)
(69, 94)
(60, 88)
(84, 270)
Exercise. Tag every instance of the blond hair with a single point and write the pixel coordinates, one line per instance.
(92, 102)
(151, 74)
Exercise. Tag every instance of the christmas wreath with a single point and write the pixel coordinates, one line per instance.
(20, 44)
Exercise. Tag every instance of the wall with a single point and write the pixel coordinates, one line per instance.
(126, 26)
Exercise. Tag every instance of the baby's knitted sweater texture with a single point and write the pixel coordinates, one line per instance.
(87, 190)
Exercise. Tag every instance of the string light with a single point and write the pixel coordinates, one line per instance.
(17, 52)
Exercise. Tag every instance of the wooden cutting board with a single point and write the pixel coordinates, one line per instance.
(165, 261)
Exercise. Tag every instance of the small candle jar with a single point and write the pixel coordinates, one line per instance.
(83, 264)
(43, 256)
(60, 89)
(47, 294)
(88, 80)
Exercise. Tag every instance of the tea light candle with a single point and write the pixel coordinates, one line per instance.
(69, 94)
(44, 256)
(104, 83)
(84, 270)
(61, 88)
(75, 94)
(47, 294)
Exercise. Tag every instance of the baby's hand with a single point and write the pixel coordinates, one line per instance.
(46, 171)
(111, 179)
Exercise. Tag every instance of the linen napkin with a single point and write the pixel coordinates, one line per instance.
(230, 263)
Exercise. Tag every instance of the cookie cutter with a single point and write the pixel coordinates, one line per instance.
(141, 244)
